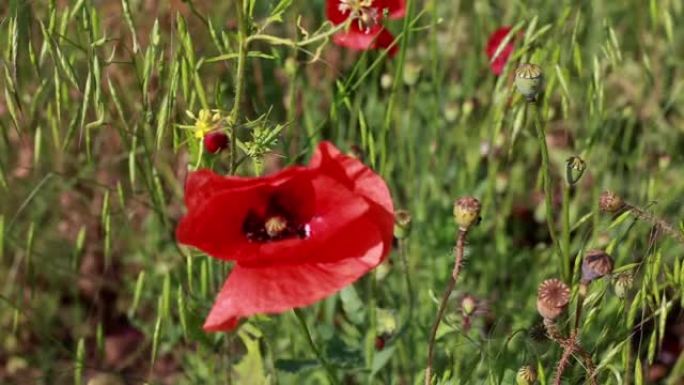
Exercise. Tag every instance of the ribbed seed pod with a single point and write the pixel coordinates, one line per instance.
(528, 80)
(552, 298)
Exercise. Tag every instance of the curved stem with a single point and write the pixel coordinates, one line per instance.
(305, 328)
(546, 175)
(657, 222)
(302, 43)
(460, 245)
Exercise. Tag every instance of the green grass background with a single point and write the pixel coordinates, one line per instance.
(92, 162)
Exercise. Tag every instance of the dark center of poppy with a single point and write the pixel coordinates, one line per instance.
(362, 12)
(275, 225)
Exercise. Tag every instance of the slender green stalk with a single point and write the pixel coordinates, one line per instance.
(239, 81)
(309, 338)
(398, 75)
(459, 250)
(546, 175)
(302, 43)
(566, 267)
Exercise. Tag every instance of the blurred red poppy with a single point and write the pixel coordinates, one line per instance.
(296, 236)
(495, 39)
(366, 30)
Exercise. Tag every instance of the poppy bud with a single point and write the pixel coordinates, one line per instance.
(622, 284)
(528, 80)
(379, 343)
(402, 224)
(468, 305)
(386, 81)
(215, 141)
(595, 265)
(526, 375)
(574, 169)
(610, 202)
(466, 212)
(552, 298)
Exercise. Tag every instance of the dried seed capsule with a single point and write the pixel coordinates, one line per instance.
(466, 212)
(595, 265)
(610, 202)
(526, 375)
(552, 298)
(528, 80)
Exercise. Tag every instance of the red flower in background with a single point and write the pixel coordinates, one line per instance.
(495, 40)
(365, 31)
(296, 236)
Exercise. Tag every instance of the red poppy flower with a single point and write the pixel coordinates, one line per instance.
(495, 40)
(365, 30)
(296, 236)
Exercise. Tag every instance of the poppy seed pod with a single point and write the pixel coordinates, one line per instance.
(402, 224)
(466, 212)
(622, 284)
(526, 375)
(552, 298)
(610, 202)
(528, 80)
(215, 142)
(595, 265)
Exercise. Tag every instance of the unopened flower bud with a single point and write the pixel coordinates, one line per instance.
(574, 169)
(596, 264)
(468, 305)
(402, 224)
(552, 298)
(622, 284)
(215, 142)
(466, 212)
(386, 81)
(528, 80)
(610, 202)
(527, 375)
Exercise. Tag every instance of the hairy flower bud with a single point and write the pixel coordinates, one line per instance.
(574, 169)
(622, 284)
(466, 212)
(552, 298)
(595, 265)
(528, 80)
(610, 202)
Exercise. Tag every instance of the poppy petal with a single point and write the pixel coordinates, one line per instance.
(203, 184)
(333, 12)
(360, 179)
(377, 38)
(214, 225)
(498, 63)
(270, 289)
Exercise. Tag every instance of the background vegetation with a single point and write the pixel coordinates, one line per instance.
(93, 158)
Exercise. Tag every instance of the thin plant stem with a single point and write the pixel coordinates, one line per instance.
(460, 245)
(302, 43)
(657, 222)
(566, 268)
(546, 176)
(398, 76)
(411, 302)
(239, 81)
(309, 338)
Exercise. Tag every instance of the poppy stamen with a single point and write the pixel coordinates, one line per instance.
(275, 225)
(362, 11)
